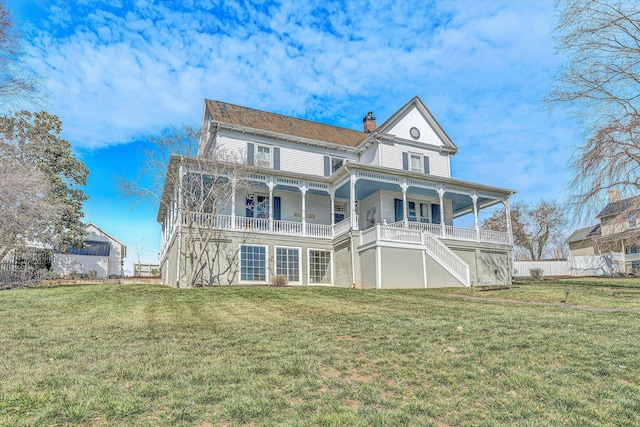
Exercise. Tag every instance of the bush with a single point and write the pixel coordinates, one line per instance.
(279, 280)
(92, 274)
(537, 274)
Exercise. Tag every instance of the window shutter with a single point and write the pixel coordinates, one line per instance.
(250, 149)
(276, 158)
(426, 165)
(405, 161)
(435, 214)
(277, 214)
(397, 204)
(327, 166)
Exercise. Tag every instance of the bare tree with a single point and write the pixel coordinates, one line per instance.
(537, 230)
(17, 82)
(197, 190)
(600, 85)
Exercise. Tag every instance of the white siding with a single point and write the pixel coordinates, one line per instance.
(368, 203)
(294, 157)
(387, 208)
(370, 155)
(392, 158)
(414, 118)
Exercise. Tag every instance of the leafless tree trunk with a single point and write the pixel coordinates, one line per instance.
(199, 189)
(600, 85)
(536, 229)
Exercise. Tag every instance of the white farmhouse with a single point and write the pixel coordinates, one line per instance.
(100, 252)
(334, 206)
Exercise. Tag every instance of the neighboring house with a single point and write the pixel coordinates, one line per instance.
(335, 206)
(100, 252)
(617, 232)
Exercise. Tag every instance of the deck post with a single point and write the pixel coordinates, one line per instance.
(233, 203)
(270, 185)
(474, 198)
(441, 195)
(352, 201)
(405, 213)
(507, 213)
(303, 190)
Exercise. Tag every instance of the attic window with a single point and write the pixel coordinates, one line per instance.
(414, 132)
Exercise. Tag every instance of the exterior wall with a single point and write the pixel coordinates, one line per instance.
(413, 118)
(613, 224)
(401, 268)
(392, 158)
(305, 159)
(371, 155)
(65, 264)
(342, 263)
(387, 208)
(114, 264)
(230, 242)
(368, 263)
(488, 264)
(582, 248)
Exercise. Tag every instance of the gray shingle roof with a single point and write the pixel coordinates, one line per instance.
(584, 233)
(619, 206)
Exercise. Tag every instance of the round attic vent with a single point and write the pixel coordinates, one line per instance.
(415, 133)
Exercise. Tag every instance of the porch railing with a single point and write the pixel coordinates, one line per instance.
(457, 233)
(394, 231)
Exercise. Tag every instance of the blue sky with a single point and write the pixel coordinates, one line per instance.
(117, 71)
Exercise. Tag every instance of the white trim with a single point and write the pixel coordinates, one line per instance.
(309, 266)
(266, 263)
(275, 261)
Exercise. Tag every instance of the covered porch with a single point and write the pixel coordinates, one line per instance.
(355, 198)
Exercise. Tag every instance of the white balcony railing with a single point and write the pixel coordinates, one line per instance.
(397, 231)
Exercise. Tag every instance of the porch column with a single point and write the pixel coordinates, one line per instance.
(270, 185)
(405, 213)
(303, 190)
(332, 195)
(507, 212)
(474, 198)
(233, 203)
(441, 195)
(352, 200)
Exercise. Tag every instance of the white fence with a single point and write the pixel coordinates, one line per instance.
(593, 265)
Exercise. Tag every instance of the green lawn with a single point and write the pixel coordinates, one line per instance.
(151, 355)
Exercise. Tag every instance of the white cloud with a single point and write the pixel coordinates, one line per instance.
(481, 67)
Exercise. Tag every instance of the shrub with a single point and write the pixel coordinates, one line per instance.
(537, 274)
(279, 280)
(92, 274)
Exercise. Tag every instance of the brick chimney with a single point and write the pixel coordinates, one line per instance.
(614, 196)
(369, 122)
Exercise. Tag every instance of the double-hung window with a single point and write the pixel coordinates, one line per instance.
(253, 263)
(415, 162)
(263, 156)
